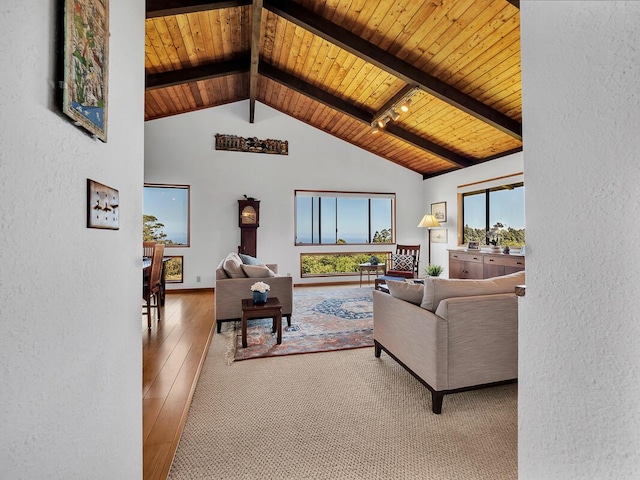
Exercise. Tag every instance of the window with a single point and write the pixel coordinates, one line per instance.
(500, 208)
(165, 217)
(336, 264)
(173, 270)
(337, 218)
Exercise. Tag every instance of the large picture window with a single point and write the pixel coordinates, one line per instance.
(337, 218)
(165, 216)
(494, 215)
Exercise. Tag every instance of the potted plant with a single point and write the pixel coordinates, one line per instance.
(434, 270)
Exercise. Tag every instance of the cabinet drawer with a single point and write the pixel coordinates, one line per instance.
(504, 260)
(466, 257)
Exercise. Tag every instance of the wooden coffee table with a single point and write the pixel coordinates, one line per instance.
(271, 309)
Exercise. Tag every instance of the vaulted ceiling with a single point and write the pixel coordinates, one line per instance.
(341, 65)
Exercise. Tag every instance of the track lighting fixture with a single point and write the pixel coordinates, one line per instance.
(393, 110)
(406, 105)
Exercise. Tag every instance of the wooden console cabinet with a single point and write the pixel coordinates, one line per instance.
(465, 264)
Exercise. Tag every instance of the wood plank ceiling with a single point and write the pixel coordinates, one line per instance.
(340, 65)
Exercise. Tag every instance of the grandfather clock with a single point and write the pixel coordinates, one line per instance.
(249, 221)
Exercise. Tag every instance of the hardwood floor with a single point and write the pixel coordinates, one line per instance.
(172, 354)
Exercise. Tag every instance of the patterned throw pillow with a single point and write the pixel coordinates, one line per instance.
(402, 262)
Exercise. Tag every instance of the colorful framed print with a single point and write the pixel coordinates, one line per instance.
(86, 64)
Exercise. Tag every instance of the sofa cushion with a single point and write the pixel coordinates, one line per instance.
(402, 262)
(232, 266)
(249, 260)
(406, 291)
(436, 289)
(257, 271)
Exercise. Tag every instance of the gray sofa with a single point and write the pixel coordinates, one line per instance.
(452, 335)
(233, 284)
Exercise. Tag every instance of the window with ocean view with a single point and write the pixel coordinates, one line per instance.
(338, 218)
(165, 216)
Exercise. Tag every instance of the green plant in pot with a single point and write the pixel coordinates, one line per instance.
(434, 270)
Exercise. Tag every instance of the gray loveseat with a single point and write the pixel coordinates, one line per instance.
(452, 335)
(233, 284)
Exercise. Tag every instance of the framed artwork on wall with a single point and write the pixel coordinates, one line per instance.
(439, 210)
(438, 235)
(103, 209)
(86, 64)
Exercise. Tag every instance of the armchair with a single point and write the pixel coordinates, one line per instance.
(403, 264)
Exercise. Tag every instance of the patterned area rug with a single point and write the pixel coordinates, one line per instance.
(322, 320)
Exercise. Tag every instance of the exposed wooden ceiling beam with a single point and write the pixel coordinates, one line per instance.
(242, 65)
(194, 74)
(382, 59)
(256, 22)
(162, 8)
(360, 114)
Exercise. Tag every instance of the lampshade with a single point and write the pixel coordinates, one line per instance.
(429, 221)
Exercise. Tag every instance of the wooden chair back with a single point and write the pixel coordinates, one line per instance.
(147, 249)
(156, 268)
(154, 285)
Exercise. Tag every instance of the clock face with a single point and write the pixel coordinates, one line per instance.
(248, 216)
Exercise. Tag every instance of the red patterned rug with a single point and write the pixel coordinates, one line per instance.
(322, 320)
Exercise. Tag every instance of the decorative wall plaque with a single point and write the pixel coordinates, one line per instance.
(102, 206)
(251, 144)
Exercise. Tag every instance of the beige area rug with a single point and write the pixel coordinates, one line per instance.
(340, 415)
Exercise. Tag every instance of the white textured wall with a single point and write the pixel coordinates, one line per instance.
(579, 397)
(444, 188)
(180, 150)
(70, 342)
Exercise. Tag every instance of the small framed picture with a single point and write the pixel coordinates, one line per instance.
(438, 235)
(473, 246)
(439, 210)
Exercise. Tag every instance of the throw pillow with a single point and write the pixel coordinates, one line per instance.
(437, 289)
(257, 271)
(402, 262)
(249, 260)
(233, 266)
(409, 292)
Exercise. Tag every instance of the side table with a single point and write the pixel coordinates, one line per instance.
(368, 267)
(271, 309)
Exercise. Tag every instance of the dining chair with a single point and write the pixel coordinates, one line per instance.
(152, 287)
(147, 249)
